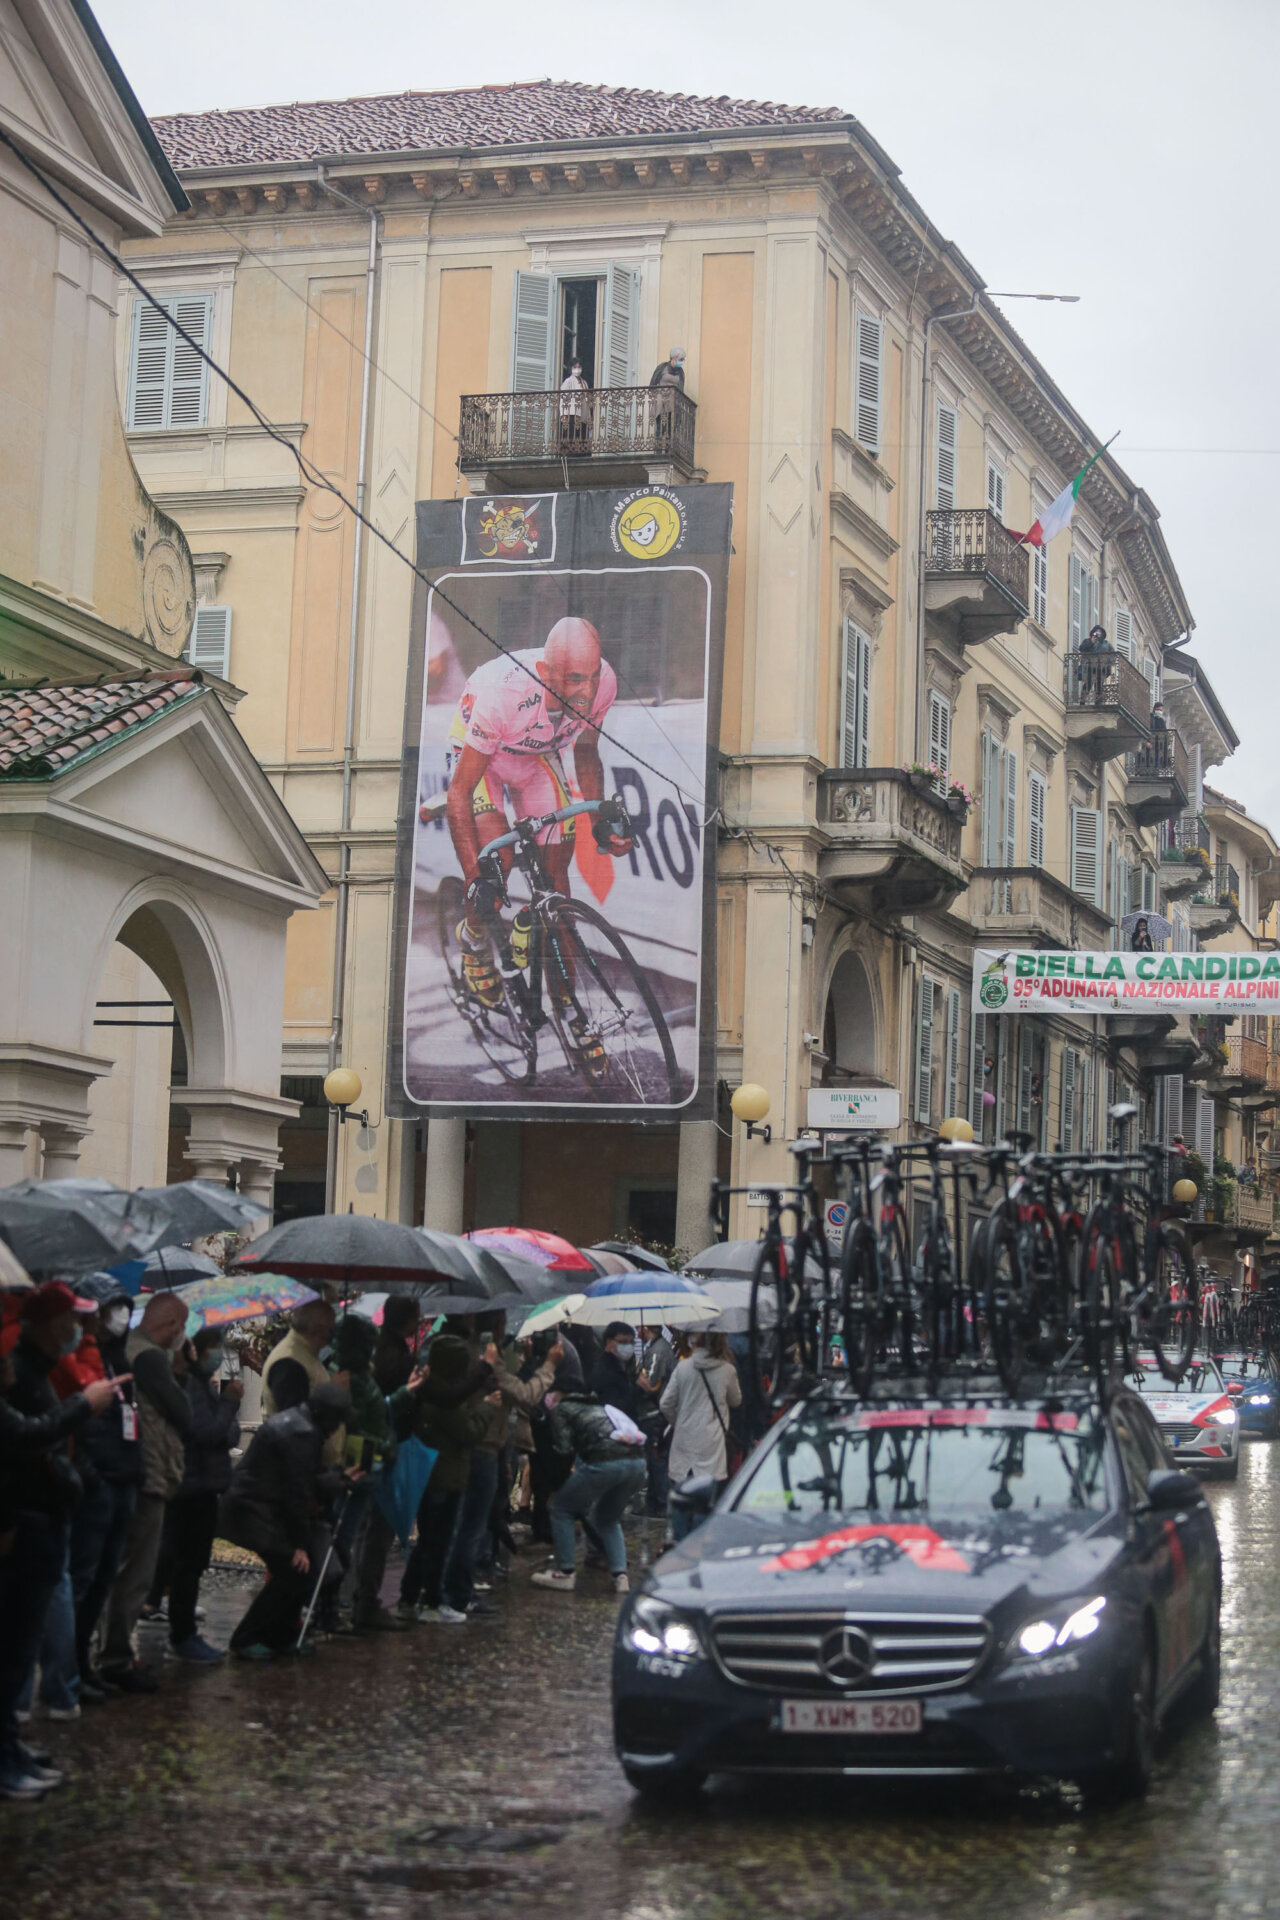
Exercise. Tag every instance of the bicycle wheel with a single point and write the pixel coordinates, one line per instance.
(599, 995)
(1004, 1289)
(813, 1297)
(503, 1030)
(1172, 1313)
(894, 1262)
(768, 1334)
(940, 1302)
(859, 1304)
(1100, 1301)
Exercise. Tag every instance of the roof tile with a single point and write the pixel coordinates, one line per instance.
(525, 114)
(44, 729)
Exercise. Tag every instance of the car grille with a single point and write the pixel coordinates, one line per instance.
(909, 1652)
(1183, 1434)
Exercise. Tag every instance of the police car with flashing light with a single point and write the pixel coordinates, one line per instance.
(902, 1588)
(1196, 1415)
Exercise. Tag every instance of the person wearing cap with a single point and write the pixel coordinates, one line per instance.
(271, 1509)
(164, 1421)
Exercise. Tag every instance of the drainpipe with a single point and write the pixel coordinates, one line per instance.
(338, 1014)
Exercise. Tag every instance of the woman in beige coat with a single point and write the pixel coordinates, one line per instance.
(697, 1402)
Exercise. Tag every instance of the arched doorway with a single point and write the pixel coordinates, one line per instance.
(849, 1032)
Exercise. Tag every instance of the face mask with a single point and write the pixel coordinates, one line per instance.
(116, 1319)
(209, 1363)
(626, 1349)
(73, 1339)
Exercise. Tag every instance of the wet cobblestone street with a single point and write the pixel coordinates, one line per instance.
(470, 1771)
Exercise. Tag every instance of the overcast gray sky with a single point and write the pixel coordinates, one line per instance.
(1118, 149)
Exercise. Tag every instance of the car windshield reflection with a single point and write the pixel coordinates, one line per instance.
(930, 1462)
(1201, 1376)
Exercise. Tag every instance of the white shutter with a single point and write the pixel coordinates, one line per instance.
(209, 647)
(1009, 849)
(977, 1076)
(855, 697)
(1086, 853)
(1090, 600)
(1151, 675)
(1024, 1075)
(945, 458)
(621, 321)
(149, 362)
(951, 1103)
(940, 734)
(995, 490)
(1075, 606)
(1148, 889)
(1204, 1128)
(992, 807)
(924, 1050)
(532, 329)
(1122, 638)
(1040, 586)
(1035, 818)
(1172, 1084)
(168, 380)
(867, 414)
(1067, 1114)
(188, 376)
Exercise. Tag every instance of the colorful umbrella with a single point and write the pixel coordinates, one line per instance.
(651, 1299)
(552, 1313)
(544, 1249)
(232, 1297)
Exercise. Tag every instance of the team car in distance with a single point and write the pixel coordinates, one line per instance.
(1196, 1415)
(1255, 1391)
(900, 1588)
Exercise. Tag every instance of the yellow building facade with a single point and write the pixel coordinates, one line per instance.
(916, 758)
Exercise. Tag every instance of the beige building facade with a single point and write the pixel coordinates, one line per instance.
(916, 757)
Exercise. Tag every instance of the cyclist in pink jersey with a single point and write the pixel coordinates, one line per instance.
(516, 715)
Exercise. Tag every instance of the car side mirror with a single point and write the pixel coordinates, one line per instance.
(1168, 1489)
(695, 1495)
(1235, 1386)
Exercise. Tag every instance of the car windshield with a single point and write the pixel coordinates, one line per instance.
(1244, 1366)
(930, 1461)
(1201, 1376)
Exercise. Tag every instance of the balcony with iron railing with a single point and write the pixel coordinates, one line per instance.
(1216, 909)
(1246, 1066)
(1158, 779)
(1185, 863)
(1108, 704)
(977, 576)
(627, 433)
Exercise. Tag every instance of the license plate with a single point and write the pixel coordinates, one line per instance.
(849, 1716)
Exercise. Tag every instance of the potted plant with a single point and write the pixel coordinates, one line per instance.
(959, 799)
(924, 776)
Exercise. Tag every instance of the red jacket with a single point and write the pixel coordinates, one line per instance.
(75, 1370)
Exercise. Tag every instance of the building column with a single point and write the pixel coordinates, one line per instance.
(61, 1150)
(256, 1180)
(699, 1143)
(446, 1162)
(13, 1151)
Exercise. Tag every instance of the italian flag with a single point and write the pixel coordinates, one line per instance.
(1057, 514)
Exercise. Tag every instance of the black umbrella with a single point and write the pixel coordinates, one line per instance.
(638, 1256)
(360, 1250)
(196, 1207)
(76, 1226)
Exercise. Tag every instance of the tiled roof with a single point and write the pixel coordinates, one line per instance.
(44, 728)
(476, 117)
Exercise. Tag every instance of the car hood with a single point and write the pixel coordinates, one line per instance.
(1184, 1409)
(970, 1562)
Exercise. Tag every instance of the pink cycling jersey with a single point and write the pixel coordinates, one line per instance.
(503, 714)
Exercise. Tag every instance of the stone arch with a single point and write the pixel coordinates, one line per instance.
(170, 933)
(851, 1024)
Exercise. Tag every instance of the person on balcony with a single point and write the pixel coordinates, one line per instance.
(669, 372)
(668, 378)
(1158, 722)
(574, 428)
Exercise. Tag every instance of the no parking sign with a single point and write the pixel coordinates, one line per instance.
(835, 1217)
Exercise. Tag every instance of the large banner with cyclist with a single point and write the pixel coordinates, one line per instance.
(554, 942)
(1221, 983)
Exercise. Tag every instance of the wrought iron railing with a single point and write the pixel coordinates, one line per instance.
(972, 540)
(1107, 683)
(1226, 884)
(1246, 1059)
(615, 423)
(1254, 1209)
(1162, 758)
(1189, 836)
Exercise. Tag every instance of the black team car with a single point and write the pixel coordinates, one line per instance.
(904, 1588)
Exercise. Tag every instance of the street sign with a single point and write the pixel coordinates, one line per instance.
(757, 1197)
(842, 1109)
(835, 1217)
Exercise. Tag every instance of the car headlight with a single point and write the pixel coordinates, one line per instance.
(1259, 1399)
(1038, 1637)
(654, 1627)
(1224, 1417)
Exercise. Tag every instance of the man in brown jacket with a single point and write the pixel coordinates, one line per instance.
(164, 1420)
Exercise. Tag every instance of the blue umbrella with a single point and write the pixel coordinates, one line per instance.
(398, 1490)
(650, 1298)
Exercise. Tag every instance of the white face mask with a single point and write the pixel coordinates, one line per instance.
(625, 1349)
(116, 1319)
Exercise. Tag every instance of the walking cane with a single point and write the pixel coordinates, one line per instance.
(347, 1492)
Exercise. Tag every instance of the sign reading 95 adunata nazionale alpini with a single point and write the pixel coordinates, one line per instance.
(554, 939)
(1010, 982)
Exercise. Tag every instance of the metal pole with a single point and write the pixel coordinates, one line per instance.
(338, 1014)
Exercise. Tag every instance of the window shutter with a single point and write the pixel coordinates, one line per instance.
(1086, 853)
(995, 490)
(855, 698)
(148, 365)
(977, 1078)
(1204, 1127)
(1172, 1084)
(1040, 586)
(1035, 818)
(992, 811)
(1024, 1075)
(1090, 581)
(867, 416)
(168, 381)
(188, 376)
(940, 735)
(1076, 629)
(1151, 675)
(1067, 1115)
(1123, 635)
(1009, 850)
(924, 1051)
(951, 1102)
(531, 334)
(623, 307)
(945, 459)
(1148, 889)
(209, 647)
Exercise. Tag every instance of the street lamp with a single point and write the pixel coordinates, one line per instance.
(750, 1103)
(342, 1088)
